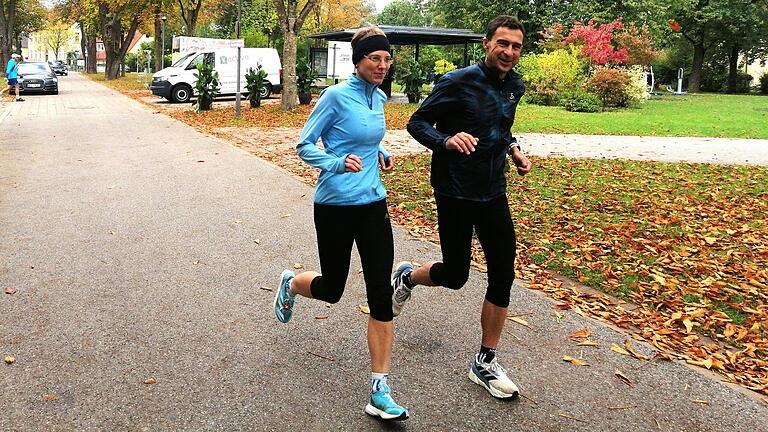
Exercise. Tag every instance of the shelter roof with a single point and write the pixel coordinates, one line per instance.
(400, 35)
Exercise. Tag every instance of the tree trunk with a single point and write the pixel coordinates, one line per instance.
(694, 81)
(158, 42)
(7, 22)
(290, 97)
(82, 40)
(733, 69)
(90, 60)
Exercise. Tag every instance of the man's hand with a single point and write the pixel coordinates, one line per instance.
(462, 142)
(521, 161)
(386, 164)
(353, 164)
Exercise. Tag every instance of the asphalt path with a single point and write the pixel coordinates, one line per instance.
(138, 248)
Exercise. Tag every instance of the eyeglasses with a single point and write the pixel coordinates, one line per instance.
(379, 59)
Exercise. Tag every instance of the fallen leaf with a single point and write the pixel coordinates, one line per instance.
(298, 265)
(520, 321)
(150, 381)
(286, 215)
(196, 262)
(238, 221)
(587, 343)
(628, 346)
(257, 241)
(558, 315)
(266, 288)
(580, 334)
(50, 397)
(575, 361)
(620, 350)
(328, 305)
(200, 161)
(700, 401)
(111, 232)
(710, 240)
(564, 306)
(688, 325)
(321, 317)
(9, 359)
(364, 309)
(623, 378)
(10, 290)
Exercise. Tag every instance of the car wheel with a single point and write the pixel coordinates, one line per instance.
(266, 90)
(181, 93)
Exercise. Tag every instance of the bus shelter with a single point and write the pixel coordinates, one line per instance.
(397, 35)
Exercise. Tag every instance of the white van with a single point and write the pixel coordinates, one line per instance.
(177, 82)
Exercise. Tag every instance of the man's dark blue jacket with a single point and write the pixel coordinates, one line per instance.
(476, 101)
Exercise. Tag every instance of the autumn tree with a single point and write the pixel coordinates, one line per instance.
(55, 35)
(16, 19)
(118, 21)
(291, 21)
(190, 11)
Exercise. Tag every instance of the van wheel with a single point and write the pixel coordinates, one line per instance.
(266, 90)
(181, 93)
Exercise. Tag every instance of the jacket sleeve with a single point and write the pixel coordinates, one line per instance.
(438, 104)
(319, 122)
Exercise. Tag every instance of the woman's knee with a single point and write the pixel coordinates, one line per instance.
(328, 292)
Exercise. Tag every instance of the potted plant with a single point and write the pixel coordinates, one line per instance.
(206, 86)
(305, 76)
(412, 78)
(255, 84)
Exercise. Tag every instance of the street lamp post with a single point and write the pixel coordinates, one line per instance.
(163, 17)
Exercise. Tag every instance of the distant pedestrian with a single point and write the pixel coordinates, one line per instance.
(351, 207)
(12, 73)
(466, 122)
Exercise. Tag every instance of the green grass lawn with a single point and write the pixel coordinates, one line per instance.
(702, 115)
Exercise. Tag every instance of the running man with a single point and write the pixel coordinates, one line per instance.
(466, 122)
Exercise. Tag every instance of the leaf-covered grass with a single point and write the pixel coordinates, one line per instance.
(130, 82)
(686, 242)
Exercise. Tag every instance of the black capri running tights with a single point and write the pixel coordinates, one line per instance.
(368, 226)
(493, 224)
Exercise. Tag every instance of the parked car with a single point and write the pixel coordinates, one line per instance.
(176, 82)
(37, 77)
(58, 67)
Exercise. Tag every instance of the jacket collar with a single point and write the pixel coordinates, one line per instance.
(493, 75)
(358, 83)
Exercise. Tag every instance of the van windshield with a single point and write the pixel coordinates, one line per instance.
(181, 61)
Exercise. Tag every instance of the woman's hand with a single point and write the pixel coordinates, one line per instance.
(386, 164)
(353, 163)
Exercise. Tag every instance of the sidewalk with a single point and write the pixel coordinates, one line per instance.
(138, 248)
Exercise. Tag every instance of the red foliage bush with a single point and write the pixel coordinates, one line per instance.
(611, 85)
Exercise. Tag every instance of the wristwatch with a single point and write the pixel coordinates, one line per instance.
(512, 144)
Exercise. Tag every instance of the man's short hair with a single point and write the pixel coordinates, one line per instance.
(507, 21)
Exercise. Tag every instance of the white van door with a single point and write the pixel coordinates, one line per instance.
(226, 66)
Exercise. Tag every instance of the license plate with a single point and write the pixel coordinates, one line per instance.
(33, 85)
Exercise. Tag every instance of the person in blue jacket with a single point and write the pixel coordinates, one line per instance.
(351, 207)
(12, 73)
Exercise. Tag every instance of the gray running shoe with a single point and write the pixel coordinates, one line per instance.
(401, 293)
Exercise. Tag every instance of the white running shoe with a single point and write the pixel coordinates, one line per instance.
(493, 378)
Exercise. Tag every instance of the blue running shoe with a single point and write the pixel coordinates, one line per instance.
(382, 405)
(284, 301)
(400, 292)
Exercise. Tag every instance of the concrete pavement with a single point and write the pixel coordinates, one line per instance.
(138, 248)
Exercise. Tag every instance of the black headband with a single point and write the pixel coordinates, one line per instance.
(369, 45)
